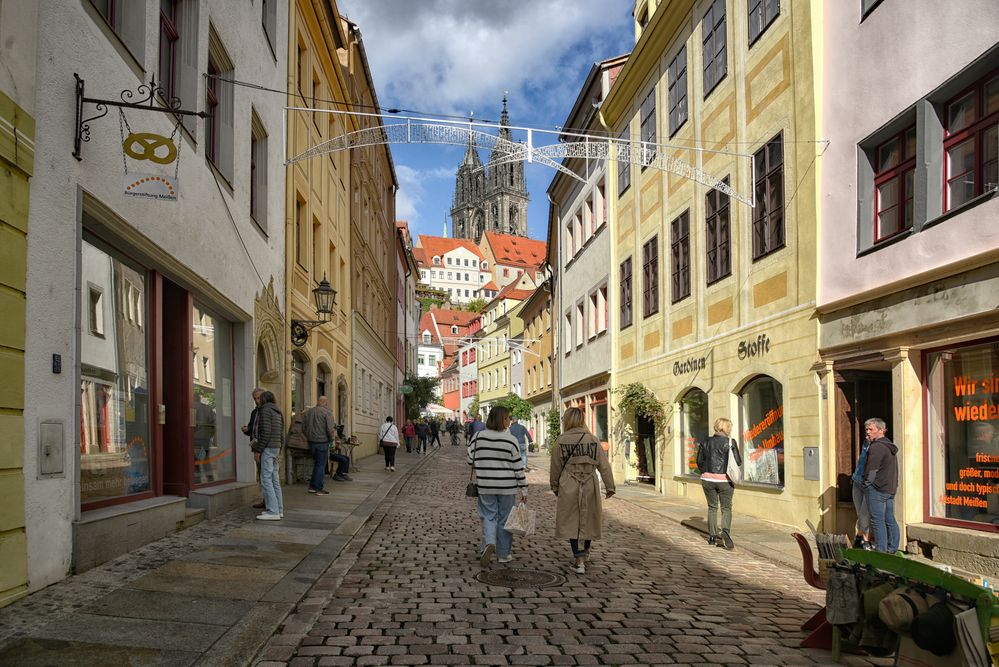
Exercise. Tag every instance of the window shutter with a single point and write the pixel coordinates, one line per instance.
(187, 65)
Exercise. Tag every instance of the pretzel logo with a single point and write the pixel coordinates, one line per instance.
(149, 143)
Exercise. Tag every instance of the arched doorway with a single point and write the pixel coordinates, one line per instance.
(341, 402)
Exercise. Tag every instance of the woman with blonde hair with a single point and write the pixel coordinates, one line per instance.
(712, 461)
(576, 458)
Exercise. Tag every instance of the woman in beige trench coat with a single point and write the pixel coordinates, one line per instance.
(576, 457)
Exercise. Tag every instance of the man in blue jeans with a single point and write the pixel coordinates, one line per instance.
(319, 430)
(523, 436)
(880, 485)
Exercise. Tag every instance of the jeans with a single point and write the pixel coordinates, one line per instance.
(422, 447)
(863, 512)
(718, 493)
(523, 454)
(320, 454)
(494, 510)
(342, 463)
(389, 453)
(574, 545)
(270, 482)
(409, 443)
(882, 509)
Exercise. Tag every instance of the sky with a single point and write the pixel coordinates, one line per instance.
(454, 57)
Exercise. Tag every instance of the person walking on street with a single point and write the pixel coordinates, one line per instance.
(575, 459)
(712, 461)
(409, 433)
(435, 433)
(319, 429)
(476, 426)
(388, 438)
(270, 434)
(422, 433)
(249, 430)
(499, 476)
(523, 436)
(863, 538)
(881, 484)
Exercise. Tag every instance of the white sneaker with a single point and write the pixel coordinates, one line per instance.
(387, 468)
(267, 516)
(392, 468)
(578, 568)
(505, 559)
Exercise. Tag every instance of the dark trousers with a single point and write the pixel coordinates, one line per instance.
(320, 455)
(342, 463)
(718, 494)
(389, 454)
(435, 437)
(574, 544)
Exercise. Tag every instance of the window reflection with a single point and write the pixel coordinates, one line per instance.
(212, 400)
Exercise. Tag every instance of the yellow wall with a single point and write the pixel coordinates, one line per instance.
(16, 160)
(768, 89)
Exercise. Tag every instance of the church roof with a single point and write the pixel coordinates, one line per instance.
(471, 158)
(438, 246)
(512, 250)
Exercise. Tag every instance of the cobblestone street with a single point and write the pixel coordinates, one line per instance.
(405, 593)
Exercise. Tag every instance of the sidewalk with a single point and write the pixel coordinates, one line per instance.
(772, 541)
(212, 594)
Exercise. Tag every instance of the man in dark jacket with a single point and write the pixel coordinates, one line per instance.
(250, 431)
(319, 429)
(880, 485)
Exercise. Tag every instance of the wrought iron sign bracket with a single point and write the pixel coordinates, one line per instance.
(143, 98)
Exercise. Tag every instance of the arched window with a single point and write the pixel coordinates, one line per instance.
(761, 427)
(694, 427)
(426, 336)
(299, 391)
(437, 261)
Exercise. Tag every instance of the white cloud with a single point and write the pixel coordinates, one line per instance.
(456, 56)
(410, 198)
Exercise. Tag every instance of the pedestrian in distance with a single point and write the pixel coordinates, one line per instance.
(409, 433)
(388, 439)
(576, 458)
(435, 433)
(712, 460)
(499, 477)
(881, 484)
(250, 431)
(524, 438)
(422, 433)
(476, 425)
(319, 429)
(270, 434)
(863, 537)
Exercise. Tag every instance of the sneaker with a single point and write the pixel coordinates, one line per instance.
(312, 490)
(322, 492)
(268, 516)
(505, 559)
(729, 544)
(387, 468)
(392, 468)
(487, 555)
(578, 568)
(712, 540)
(343, 478)
(867, 546)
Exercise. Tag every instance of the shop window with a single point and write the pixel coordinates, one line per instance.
(677, 86)
(213, 400)
(971, 143)
(114, 387)
(761, 14)
(761, 415)
(680, 257)
(719, 256)
(963, 403)
(714, 40)
(693, 428)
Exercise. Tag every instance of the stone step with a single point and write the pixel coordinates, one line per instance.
(192, 517)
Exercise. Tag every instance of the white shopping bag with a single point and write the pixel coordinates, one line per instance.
(521, 520)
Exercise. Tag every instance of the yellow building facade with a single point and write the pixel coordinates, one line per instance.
(715, 298)
(317, 218)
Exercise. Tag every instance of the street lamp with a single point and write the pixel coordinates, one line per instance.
(325, 301)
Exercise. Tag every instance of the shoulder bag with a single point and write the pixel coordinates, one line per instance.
(472, 488)
(733, 470)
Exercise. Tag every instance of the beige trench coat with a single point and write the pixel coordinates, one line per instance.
(576, 456)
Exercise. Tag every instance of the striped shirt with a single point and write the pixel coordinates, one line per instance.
(499, 470)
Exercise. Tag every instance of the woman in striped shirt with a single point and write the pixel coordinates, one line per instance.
(499, 477)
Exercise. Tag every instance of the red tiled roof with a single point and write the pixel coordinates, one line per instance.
(420, 256)
(448, 317)
(512, 291)
(438, 246)
(445, 319)
(516, 250)
(491, 285)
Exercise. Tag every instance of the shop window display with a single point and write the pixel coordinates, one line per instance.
(761, 408)
(963, 431)
(114, 391)
(213, 409)
(693, 428)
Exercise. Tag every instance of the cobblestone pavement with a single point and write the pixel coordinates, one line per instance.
(405, 593)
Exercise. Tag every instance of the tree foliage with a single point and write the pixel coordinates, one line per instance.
(517, 406)
(428, 303)
(637, 399)
(554, 426)
(473, 408)
(475, 305)
(424, 390)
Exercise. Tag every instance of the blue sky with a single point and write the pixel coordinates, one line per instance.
(456, 56)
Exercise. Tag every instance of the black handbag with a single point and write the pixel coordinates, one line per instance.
(472, 488)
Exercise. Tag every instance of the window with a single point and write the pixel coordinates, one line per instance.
(580, 324)
(219, 104)
(602, 309)
(213, 425)
(714, 41)
(268, 18)
(717, 235)
(971, 143)
(768, 216)
(449, 261)
(300, 232)
(570, 243)
(128, 21)
(677, 82)
(437, 261)
(648, 130)
(623, 163)
(894, 185)
(506, 273)
(317, 249)
(693, 428)
(426, 336)
(258, 172)
(592, 321)
(449, 274)
(650, 277)
(169, 36)
(568, 333)
(761, 14)
(421, 360)
(761, 413)
(625, 293)
(962, 392)
(680, 257)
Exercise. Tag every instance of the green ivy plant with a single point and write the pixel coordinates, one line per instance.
(554, 426)
(637, 399)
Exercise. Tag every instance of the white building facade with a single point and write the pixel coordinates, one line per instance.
(454, 266)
